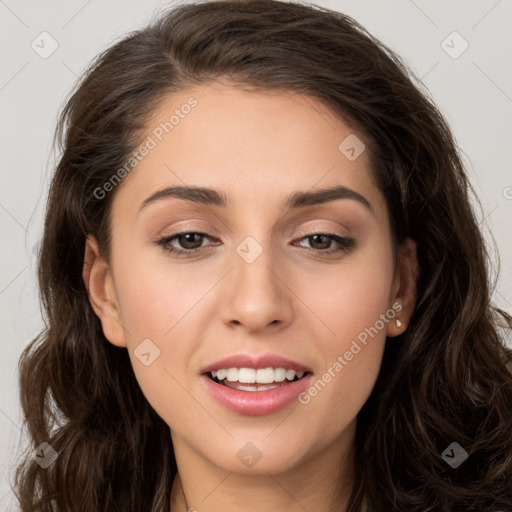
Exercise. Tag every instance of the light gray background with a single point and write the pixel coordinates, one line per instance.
(474, 92)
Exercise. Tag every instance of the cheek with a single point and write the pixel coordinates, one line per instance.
(348, 298)
(159, 308)
(156, 300)
(354, 307)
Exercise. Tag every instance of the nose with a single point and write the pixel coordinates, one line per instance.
(258, 292)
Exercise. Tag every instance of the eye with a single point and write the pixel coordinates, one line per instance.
(321, 242)
(190, 241)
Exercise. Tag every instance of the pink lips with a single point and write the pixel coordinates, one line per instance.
(256, 403)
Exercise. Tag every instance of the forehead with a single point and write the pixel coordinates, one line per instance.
(256, 146)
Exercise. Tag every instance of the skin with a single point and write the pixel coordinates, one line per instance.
(292, 300)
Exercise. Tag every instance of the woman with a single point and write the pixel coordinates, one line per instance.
(264, 283)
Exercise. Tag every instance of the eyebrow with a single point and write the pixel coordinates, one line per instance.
(298, 199)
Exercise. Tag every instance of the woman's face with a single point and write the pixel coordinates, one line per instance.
(274, 281)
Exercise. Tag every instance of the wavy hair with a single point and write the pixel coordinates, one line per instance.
(447, 378)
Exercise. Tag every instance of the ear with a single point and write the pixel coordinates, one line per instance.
(100, 287)
(403, 296)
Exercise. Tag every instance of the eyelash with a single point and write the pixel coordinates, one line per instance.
(346, 243)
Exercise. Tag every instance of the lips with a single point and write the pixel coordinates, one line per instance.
(255, 386)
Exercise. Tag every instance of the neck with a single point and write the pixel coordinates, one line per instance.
(203, 487)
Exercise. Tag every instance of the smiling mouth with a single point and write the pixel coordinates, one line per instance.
(250, 379)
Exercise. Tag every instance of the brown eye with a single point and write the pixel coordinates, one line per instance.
(321, 242)
(187, 243)
(190, 240)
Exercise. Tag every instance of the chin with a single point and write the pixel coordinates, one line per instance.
(257, 455)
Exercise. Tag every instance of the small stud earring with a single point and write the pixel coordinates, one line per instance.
(398, 323)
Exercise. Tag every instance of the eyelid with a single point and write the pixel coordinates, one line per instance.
(204, 229)
(305, 231)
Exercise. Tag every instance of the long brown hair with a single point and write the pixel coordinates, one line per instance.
(447, 379)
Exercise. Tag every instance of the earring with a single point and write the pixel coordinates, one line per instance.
(398, 323)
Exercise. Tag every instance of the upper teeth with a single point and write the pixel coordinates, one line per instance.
(261, 376)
